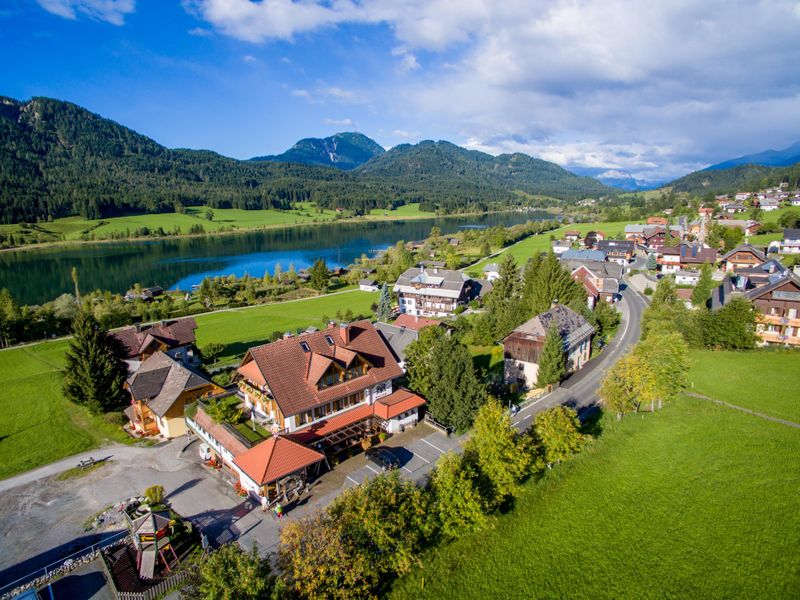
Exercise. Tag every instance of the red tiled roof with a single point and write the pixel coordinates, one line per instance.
(290, 371)
(251, 372)
(274, 458)
(415, 323)
(397, 403)
(582, 274)
(322, 428)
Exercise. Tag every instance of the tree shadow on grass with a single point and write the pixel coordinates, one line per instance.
(591, 420)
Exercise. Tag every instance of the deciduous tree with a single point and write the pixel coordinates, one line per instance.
(230, 573)
(457, 504)
(558, 430)
(702, 291)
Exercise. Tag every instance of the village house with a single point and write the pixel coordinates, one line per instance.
(744, 255)
(685, 256)
(433, 293)
(790, 244)
(752, 277)
(368, 285)
(618, 251)
(523, 346)
(749, 227)
(160, 390)
(572, 235)
(742, 196)
(794, 201)
(491, 272)
(769, 204)
(397, 337)
(651, 236)
(561, 246)
(594, 255)
(733, 208)
(777, 304)
(592, 237)
(657, 221)
(686, 277)
(599, 279)
(176, 338)
(323, 392)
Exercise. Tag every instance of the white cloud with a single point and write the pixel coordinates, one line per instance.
(200, 32)
(405, 135)
(339, 122)
(650, 87)
(301, 93)
(249, 58)
(111, 11)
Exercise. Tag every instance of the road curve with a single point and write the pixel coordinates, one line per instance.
(580, 389)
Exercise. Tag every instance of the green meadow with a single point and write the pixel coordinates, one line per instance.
(695, 501)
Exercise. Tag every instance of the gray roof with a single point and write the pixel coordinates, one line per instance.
(759, 254)
(366, 282)
(572, 327)
(596, 255)
(791, 234)
(722, 294)
(599, 268)
(397, 338)
(160, 380)
(434, 282)
(491, 267)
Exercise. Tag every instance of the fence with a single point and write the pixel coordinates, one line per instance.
(162, 587)
(48, 574)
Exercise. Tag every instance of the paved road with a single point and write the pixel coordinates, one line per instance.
(580, 389)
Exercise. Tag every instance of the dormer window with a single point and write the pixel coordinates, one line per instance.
(304, 346)
(329, 339)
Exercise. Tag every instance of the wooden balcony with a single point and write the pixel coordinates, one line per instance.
(778, 320)
(776, 338)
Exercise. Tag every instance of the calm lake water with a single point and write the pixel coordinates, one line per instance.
(35, 276)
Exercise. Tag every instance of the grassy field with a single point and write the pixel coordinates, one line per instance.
(72, 228)
(695, 501)
(773, 379)
(523, 250)
(38, 425)
(241, 328)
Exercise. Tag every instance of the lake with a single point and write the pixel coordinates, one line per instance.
(36, 276)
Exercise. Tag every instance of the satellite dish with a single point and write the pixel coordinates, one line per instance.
(205, 452)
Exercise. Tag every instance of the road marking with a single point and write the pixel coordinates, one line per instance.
(420, 457)
(432, 446)
(353, 480)
(373, 470)
(407, 469)
(525, 418)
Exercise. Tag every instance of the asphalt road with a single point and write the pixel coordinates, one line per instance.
(580, 389)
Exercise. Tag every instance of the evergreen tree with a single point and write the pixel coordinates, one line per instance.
(94, 371)
(384, 310)
(319, 275)
(702, 291)
(552, 362)
(551, 281)
(504, 301)
(652, 263)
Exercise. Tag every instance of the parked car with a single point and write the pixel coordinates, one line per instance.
(383, 458)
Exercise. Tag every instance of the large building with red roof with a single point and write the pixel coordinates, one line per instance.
(319, 393)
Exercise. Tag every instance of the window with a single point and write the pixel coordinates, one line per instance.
(329, 339)
(305, 347)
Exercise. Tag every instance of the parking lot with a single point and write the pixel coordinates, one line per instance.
(417, 449)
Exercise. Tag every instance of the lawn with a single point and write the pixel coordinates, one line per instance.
(773, 379)
(241, 328)
(38, 425)
(524, 249)
(696, 501)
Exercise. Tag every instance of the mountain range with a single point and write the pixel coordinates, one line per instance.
(343, 150)
(769, 158)
(59, 159)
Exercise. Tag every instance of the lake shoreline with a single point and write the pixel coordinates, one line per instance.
(277, 226)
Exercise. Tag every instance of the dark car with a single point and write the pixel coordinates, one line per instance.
(383, 457)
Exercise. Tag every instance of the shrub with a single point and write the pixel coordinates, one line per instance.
(154, 494)
(648, 291)
(116, 418)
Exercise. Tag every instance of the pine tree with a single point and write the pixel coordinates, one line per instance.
(384, 311)
(319, 275)
(552, 364)
(705, 285)
(551, 281)
(652, 263)
(94, 371)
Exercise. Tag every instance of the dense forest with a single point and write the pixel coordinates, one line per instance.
(58, 159)
(742, 178)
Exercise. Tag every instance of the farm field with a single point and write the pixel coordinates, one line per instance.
(524, 249)
(773, 378)
(72, 228)
(38, 425)
(695, 501)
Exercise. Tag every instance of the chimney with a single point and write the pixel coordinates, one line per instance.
(344, 332)
(288, 335)
(554, 303)
(331, 324)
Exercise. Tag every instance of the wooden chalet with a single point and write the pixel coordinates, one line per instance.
(743, 256)
(176, 338)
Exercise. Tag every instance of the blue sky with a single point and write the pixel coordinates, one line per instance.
(658, 88)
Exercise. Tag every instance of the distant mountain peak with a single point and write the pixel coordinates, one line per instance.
(769, 158)
(346, 150)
